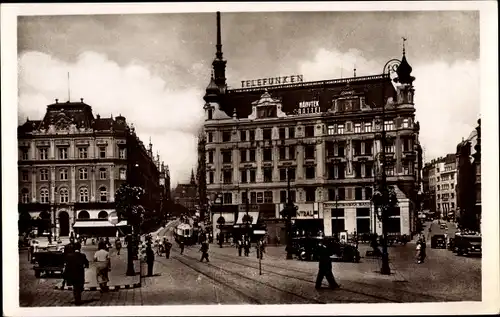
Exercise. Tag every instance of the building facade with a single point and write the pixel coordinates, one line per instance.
(324, 136)
(468, 190)
(71, 164)
(186, 195)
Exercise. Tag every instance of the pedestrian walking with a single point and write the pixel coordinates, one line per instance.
(247, 246)
(240, 247)
(118, 245)
(76, 262)
(67, 250)
(150, 259)
(325, 268)
(181, 246)
(103, 266)
(204, 252)
(49, 237)
(262, 248)
(418, 253)
(168, 247)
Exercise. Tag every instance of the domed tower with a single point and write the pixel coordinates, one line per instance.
(405, 79)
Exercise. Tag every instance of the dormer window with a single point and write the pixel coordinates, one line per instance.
(210, 114)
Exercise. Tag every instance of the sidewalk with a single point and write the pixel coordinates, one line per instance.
(117, 276)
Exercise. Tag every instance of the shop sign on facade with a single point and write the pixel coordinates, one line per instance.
(272, 81)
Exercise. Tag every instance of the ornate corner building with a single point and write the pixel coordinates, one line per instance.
(327, 134)
(71, 164)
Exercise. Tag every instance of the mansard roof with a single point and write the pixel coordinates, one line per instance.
(376, 89)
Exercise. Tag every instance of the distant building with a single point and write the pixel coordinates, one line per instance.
(326, 134)
(440, 181)
(468, 191)
(71, 164)
(187, 195)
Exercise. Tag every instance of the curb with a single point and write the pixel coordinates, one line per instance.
(96, 288)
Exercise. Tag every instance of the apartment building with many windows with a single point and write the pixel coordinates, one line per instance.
(326, 134)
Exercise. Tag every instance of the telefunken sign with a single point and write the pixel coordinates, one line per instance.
(272, 81)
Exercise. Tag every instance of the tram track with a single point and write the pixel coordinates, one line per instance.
(239, 275)
(378, 297)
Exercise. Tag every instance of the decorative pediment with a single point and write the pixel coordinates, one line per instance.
(266, 107)
(61, 121)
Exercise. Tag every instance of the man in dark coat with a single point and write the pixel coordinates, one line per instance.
(325, 268)
(168, 247)
(76, 262)
(204, 250)
(181, 246)
(150, 259)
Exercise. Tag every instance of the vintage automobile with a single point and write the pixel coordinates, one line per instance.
(48, 260)
(468, 244)
(307, 249)
(438, 241)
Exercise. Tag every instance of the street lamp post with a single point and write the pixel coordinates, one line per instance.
(289, 211)
(336, 215)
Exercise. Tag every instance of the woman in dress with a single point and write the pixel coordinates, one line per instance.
(103, 266)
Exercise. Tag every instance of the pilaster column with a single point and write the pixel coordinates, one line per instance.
(276, 174)
(73, 183)
(398, 154)
(299, 175)
(320, 160)
(52, 150)
(112, 183)
(236, 163)
(72, 149)
(349, 151)
(258, 157)
(92, 151)
(52, 184)
(93, 188)
(33, 185)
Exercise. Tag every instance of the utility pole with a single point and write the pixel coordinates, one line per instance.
(385, 255)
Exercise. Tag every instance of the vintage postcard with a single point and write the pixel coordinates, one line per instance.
(249, 159)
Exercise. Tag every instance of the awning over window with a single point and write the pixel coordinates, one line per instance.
(97, 224)
(253, 214)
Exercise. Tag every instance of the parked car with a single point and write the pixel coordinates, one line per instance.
(48, 260)
(438, 241)
(468, 244)
(306, 249)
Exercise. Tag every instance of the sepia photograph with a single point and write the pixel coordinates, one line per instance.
(266, 158)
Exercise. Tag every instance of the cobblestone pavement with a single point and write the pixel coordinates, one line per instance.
(230, 279)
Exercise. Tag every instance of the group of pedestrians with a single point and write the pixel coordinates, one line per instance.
(243, 245)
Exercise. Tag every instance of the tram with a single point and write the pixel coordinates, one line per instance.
(186, 233)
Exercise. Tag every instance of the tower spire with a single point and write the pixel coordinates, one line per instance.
(219, 64)
(69, 90)
(404, 50)
(219, 41)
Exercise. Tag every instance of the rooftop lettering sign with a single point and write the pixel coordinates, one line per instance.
(272, 81)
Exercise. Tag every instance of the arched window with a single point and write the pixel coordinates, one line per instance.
(63, 174)
(123, 174)
(44, 195)
(84, 214)
(83, 173)
(102, 173)
(84, 195)
(103, 194)
(102, 214)
(25, 196)
(64, 195)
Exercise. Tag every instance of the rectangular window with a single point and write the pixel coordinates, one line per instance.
(102, 152)
(268, 197)
(268, 154)
(25, 176)
(82, 152)
(291, 152)
(331, 194)
(210, 157)
(227, 176)
(331, 130)
(337, 212)
(243, 135)
(356, 147)
(252, 176)
(102, 173)
(357, 169)
(389, 170)
(282, 153)
(63, 153)
(227, 198)
(362, 212)
(309, 151)
(210, 177)
(266, 134)
(357, 128)
(390, 147)
(252, 155)
(253, 197)
(260, 198)
(291, 173)
(283, 196)
(44, 154)
(340, 129)
(341, 193)
(331, 171)
(291, 133)
(282, 133)
(243, 176)
(268, 175)
(310, 172)
(24, 154)
(363, 225)
(123, 174)
(368, 127)
(406, 123)
(368, 193)
(309, 131)
(251, 135)
(368, 147)
(226, 157)
(244, 197)
(210, 137)
(330, 148)
(358, 193)
(122, 152)
(340, 150)
(283, 174)
(243, 155)
(341, 171)
(310, 194)
(389, 125)
(226, 136)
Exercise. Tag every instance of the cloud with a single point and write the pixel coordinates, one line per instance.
(446, 95)
(157, 107)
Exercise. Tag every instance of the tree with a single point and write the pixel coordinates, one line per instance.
(127, 201)
(25, 222)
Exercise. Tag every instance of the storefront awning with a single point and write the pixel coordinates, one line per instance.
(253, 214)
(98, 224)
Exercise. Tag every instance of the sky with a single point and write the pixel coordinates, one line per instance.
(153, 68)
